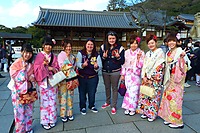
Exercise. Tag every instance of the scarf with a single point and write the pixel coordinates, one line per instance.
(167, 67)
(152, 61)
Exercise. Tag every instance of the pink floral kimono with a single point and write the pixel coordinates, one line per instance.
(171, 104)
(48, 94)
(131, 69)
(19, 85)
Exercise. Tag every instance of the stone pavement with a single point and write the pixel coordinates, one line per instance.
(104, 121)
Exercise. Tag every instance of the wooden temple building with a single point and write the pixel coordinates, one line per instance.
(78, 25)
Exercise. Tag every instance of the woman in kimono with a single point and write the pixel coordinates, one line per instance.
(130, 72)
(171, 104)
(66, 96)
(45, 66)
(152, 75)
(21, 73)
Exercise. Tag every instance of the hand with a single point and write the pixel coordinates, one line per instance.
(85, 63)
(117, 54)
(139, 55)
(122, 77)
(32, 79)
(182, 54)
(145, 80)
(45, 62)
(95, 65)
(105, 53)
(25, 64)
(52, 69)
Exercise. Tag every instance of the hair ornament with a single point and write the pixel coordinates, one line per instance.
(138, 39)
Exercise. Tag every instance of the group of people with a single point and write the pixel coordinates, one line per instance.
(164, 73)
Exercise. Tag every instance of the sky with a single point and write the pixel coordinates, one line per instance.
(15, 13)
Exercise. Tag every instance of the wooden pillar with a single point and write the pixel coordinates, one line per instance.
(71, 36)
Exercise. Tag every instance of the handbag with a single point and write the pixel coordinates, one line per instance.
(122, 88)
(146, 90)
(72, 84)
(29, 97)
(56, 78)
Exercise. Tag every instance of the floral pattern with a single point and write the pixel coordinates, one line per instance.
(132, 70)
(22, 112)
(147, 105)
(171, 104)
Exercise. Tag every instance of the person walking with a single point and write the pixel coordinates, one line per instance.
(112, 55)
(88, 63)
(130, 72)
(45, 65)
(2, 59)
(152, 76)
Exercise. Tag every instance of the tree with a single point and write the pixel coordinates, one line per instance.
(117, 5)
(19, 29)
(37, 35)
(4, 29)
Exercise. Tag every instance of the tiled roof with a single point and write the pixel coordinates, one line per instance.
(76, 18)
(187, 16)
(7, 35)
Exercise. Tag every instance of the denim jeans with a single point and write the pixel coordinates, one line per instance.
(87, 86)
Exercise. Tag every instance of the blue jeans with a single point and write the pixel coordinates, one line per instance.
(87, 86)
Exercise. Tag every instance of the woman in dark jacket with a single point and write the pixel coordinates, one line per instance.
(112, 55)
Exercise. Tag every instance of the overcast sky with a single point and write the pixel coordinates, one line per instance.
(15, 13)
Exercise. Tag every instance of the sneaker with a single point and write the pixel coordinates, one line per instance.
(105, 105)
(126, 112)
(2, 76)
(198, 84)
(71, 118)
(132, 113)
(166, 123)
(176, 126)
(52, 125)
(143, 116)
(46, 127)
(94, 110)
(64, 119)
(113, 111)
(186, 85)
(83, 111)
(150, 119)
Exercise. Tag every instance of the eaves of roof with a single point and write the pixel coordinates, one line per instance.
(7, 35)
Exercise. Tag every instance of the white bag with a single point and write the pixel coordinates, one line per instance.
(57, 78)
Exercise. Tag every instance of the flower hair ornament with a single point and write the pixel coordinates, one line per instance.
(154, 37)
(138, 39)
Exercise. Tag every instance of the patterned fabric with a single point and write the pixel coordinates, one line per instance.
(66, 100)
(65, 96)
(48, 94)
(146, 105)
(171, 104)
(149, 106)
(48, 109)
(22, 112)
(132, 70)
